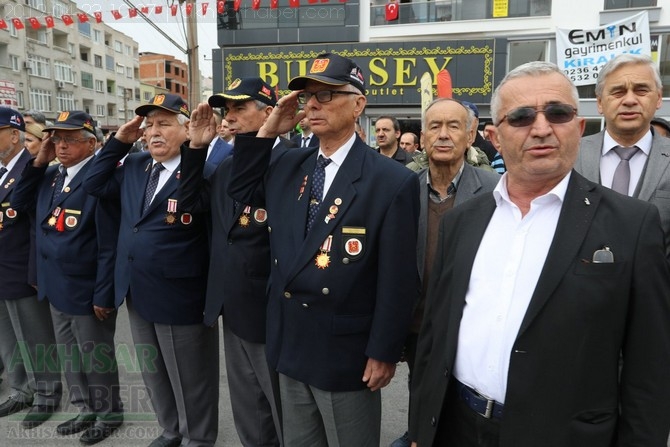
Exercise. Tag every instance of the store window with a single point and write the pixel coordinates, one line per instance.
(521, 52)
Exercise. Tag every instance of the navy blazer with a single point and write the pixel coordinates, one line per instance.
(75, 257)
(162, 256)
(325, 323)
(240, 261)
(220, 152)
(566, 385)
(17, 239)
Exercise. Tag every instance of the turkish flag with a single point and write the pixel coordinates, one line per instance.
(98, 17)
(274, 4)
(50, 21)
(204, 8)
(391, 11)
(173, 10)
(67, 19)
(144, 9)
(3, 24)
(132, 12)
(236, 5)
(34, 23)
(220, 6)
(117, 15)
(294, 3)
(255, 4)
(189, 8)
(83, 17)
(158, 9)
(18, 24)
(312, 1)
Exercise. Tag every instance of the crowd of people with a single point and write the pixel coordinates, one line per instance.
(537, 313)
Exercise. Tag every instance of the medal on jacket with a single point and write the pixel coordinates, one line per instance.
(332, 211)
(171, 216)
(244, 217)
(322, 259)
(9, 183)
(54, 216)
(302, 187)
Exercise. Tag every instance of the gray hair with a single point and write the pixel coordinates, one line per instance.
(181, 119)
(468, 121)
(535, 68)
(623, 60)
(36, 115)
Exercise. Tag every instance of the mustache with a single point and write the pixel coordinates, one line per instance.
(157, 140)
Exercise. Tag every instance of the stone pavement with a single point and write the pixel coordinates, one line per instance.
(140, 426)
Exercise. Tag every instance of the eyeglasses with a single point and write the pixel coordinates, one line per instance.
(322, 96)
(68, 140)
(554, 113)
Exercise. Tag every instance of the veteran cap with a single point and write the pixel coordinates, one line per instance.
(331, 69)
(168, 101)
(661, 122)
(245, 89)
(73, 120)
(11, 118)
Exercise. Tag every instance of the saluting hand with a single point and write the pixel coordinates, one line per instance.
(131, 131)
(283, 118)
(202, 127)
(47, 152)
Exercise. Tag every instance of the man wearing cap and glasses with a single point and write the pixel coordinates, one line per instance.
(531, 357)
(75, 241)
(25, 322)
(343, 222)
(628, 156)
(161, 271)
(239, 262)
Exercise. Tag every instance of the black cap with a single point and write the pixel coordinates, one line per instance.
(331, 69)
(168, 101)
(11, 118)
(661, 122)
(73, 120)
(245, 89)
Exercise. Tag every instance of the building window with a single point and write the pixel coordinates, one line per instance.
(40, 100)
(147, 96)
(20, 100)
(37, 4)
(86, 80)
(118, 46)
(129, 72)
(120, 91)
(60, 8)
(14, 62)
(120, 69)
(98, 60)
(39, 66)
(63, 72)
(99, 86)
(526, 51)
(621, 4)
(97, 36)
(84, 29)
(100, 110)
(65, 101)
(109, 62)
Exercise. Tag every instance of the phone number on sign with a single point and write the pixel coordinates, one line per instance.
(582, 73)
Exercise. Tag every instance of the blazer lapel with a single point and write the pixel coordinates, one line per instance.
(588, 164)
(162, 195)
(579, 207)
(657, 165)
(301, 204)
(13, 176)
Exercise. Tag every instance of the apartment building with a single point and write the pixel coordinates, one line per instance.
(82, 66)
(165, 71)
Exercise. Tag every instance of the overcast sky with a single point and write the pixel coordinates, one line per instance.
(151, 40)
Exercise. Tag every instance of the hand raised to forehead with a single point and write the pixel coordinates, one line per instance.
(283, 118)
(202, 127)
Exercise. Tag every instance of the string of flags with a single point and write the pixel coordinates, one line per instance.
(117, 14)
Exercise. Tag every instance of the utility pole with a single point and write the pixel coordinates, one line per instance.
(192, 54)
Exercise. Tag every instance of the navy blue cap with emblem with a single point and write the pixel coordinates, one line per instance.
(168, 101)
(73, 120)
(245, 89)
(331, 69)
(11, 118)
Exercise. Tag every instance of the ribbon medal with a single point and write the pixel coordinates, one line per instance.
(54, 216)
(322, 259)
(244, 217)
(171, 216)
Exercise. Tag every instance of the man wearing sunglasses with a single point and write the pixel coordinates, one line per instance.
(531, 357)
(343, 222)
(628, 156)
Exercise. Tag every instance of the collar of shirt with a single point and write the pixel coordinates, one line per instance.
(644, 144)
(501, 195)
(307, 135)
(434, 194)
(336, 160)
(169, 165)
(72, 171)
(11, 164)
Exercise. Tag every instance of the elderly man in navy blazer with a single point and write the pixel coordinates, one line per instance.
(343, 223)
(25, 322)
(161, 270)
(75, 253)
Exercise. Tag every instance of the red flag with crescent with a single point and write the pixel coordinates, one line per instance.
(391, 11)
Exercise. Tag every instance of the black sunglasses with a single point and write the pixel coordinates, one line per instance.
(525, 116)
(322, 96)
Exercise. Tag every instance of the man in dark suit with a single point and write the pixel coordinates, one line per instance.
(628, 93)
(26, 330)
(448, 182)
(161, 270)
(239, 264)
(340, 295)
(531, 357)
(219, 149)
(75, 254)
(387, 132)
(306, 138)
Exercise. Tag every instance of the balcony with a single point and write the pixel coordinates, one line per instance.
(455, 10)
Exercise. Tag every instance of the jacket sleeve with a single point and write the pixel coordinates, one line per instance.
(103, 179)
(194, 189)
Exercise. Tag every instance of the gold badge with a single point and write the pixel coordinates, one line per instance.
(170, 219)
(322, 260)
(244, 220)
(52, 221)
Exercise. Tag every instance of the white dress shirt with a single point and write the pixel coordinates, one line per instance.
(336, 160)
(609, 160)
(72, 171)
(170, 166)
(515, 248)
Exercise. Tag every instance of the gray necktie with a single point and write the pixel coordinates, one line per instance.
(621, 179)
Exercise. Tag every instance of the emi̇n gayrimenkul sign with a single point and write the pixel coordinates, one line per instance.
(581, 53)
